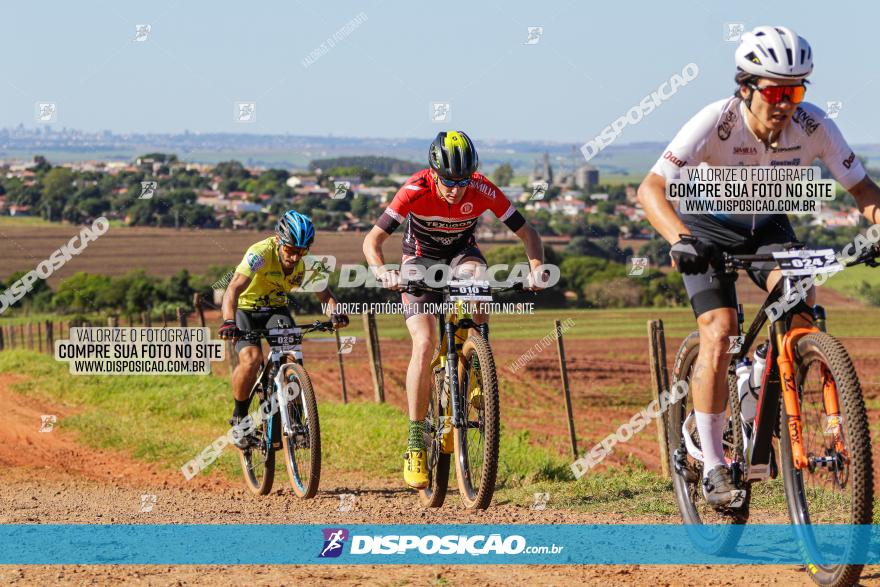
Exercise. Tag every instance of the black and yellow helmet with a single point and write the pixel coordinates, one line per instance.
(453, 155)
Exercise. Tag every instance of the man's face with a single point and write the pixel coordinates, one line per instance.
(773, 116)
(452, 195)
(289, 256)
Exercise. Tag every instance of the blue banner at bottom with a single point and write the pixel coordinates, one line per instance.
(822, 545)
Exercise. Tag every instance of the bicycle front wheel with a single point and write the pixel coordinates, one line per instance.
(712, 531)
(476, 445)
(302, 446)
(837, 485)
(437, 424)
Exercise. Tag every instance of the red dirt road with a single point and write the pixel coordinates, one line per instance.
(48, 477)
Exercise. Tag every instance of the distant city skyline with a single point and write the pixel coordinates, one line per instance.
(557, 72)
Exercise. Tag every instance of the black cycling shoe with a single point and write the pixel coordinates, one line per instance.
(242, 437)
(720, 491)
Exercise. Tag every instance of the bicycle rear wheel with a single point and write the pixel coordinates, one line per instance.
(476, 445)
(436, 423)
(837, 485)
(302, 448)
(712, 531)
(258, 459)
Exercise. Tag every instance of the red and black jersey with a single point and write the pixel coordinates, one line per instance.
(438, 229)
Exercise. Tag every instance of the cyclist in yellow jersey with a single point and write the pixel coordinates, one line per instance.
(256, 298)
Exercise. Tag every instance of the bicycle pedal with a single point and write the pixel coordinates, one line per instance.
(679, 461)
(739, 499)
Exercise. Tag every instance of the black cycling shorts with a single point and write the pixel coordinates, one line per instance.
(709, 290)
(260, 319)
(413, 304)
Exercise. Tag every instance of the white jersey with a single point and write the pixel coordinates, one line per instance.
(719, 136)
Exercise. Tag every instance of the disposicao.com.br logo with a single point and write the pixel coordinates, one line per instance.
(453, 544)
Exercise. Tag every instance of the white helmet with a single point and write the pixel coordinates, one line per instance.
(775, 52)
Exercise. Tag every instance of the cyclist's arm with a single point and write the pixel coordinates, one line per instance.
(373, 250)
(659, 211)
(867, 196)
(688, 147)
(328, 300)
(534, 246)
(236, 287)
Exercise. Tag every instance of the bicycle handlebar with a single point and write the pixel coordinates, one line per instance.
(731, 263)
(417, 286)
(258, 333)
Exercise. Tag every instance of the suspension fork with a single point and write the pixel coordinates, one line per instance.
(449, 329)
(786, 344)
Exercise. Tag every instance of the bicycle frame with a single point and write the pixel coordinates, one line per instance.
(451, 325)
(274, 372)
(779, 382)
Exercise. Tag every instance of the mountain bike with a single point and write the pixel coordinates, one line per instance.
(464, 415)
(809, 398)
(288, 415)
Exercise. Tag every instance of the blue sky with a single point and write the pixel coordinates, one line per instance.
(593, 63)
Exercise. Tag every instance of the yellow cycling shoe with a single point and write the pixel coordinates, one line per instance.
(415, 468)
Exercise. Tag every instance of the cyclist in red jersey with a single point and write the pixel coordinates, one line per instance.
(443, 205)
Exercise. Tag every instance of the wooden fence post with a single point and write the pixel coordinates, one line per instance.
(659, 383)
(30, 336)
(563, 369)
(181, 317)
(341, 368)
(375, 356)
(197, 305)
(39, 337)
(146, 319)
(164, 319)
(2, 338)
(50, 337)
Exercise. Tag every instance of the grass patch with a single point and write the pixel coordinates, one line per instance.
(630, 489)
(849, 281)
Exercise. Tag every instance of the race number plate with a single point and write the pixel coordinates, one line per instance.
(469, 291)
(284, 339)
(806, 262)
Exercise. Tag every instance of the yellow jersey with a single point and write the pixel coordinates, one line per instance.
(269, 285)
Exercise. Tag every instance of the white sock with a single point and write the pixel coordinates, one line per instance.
(710, 427)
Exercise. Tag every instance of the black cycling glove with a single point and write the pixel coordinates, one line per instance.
(691, 255)
(228, 330)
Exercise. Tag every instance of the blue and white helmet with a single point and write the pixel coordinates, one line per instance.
(295, 229)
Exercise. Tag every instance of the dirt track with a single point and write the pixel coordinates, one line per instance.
(79, 485)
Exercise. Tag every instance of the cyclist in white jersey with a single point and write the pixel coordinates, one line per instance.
(765, 123)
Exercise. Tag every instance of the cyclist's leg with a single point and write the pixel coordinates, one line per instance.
(250, 358)
(714, 303)
(422, 327)
(713, 299)
(423, 331)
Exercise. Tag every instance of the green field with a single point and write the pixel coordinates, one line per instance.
(848, 281)
(630, 323)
